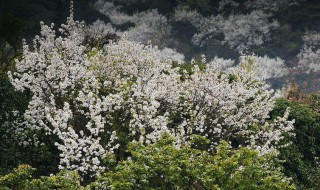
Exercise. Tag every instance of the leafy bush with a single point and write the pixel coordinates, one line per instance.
(22, 179)
(164, 166)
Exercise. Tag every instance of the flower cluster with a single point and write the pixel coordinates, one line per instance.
(57, 71)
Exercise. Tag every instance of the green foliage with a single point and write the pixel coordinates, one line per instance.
(164, 166)
(187, 69)
(22, 179)
(249, 66)
(12, 106)
(63, 180)
(11, 101)
(18, 179)
(301, 156)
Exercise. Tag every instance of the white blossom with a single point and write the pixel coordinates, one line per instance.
(309, 55)
(57, 72)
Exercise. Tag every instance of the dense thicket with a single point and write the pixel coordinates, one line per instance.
(88, 107)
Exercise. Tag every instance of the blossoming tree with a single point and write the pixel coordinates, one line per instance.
(97, 100)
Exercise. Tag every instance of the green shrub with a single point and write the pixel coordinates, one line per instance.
(22, 179)
(301, 155)
(164, 166)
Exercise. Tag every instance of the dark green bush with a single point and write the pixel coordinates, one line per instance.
(301, 156)
(12, 107)
(22, 179)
